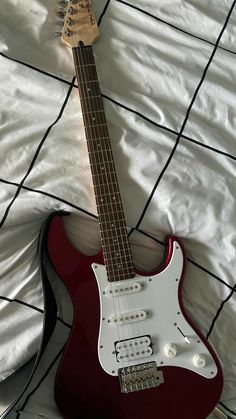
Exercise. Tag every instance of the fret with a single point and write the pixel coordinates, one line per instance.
(91, 117)
(119, 276)
(107, 252)
(111, 256)
(105, 163)
(105, 214)
(112, 229)
(87, 81)
(84, 65)
(89, 105)
(107, 195)
(115, 182)
(101, 173)
(99, 162)
(112, 241)
(99, 150)
(99, 144)
(88, 112)
(95, 125)
(114, 237)
(109, 235)
(96, 132)
(91, 97)
(90, 140)
(113, 205)
(88, 88)
(83, 56)
(116, 266)
(106, 231)
(116, 247)
(122, 220)
(87, 73)
(115, 228)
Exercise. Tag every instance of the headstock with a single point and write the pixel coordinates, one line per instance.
(79, 23)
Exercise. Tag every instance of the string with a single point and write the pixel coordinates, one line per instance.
(117, 255)
(88, 109)
(105, 158)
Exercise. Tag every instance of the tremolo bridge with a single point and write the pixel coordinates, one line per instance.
(139, 377)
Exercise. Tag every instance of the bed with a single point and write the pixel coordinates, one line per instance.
(167, 77)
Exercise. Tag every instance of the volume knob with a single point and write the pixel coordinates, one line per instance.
(170, 350)
(199, 360)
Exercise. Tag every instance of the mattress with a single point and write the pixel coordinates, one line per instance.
(167, 76)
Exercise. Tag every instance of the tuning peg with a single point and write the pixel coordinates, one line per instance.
(57, 33)
(61, 13)
(60, 23)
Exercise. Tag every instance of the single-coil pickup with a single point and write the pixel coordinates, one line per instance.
(129, 317)
(133, 349)
(116, 290)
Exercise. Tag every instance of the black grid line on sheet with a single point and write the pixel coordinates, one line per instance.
(49, 75)
(219, 310)
(39, 70)
(36, 154)
(215, 150)
(103, 12)
(226, 408)
(16, 300)
(130, 233)
(32, 392)
(202, 268)
(170, 130)
(144, 117)
(187, 114)
(39, 191)
(173, 26)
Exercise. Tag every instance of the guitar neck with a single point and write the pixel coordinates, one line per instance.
(115, 244)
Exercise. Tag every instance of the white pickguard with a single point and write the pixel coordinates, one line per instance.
(156, 313)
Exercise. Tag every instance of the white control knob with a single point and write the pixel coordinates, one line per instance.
(199, 360)
(170, 350)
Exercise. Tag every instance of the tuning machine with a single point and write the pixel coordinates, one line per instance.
(60, 23)
(70, 21)
(61, 13)
(63, 3)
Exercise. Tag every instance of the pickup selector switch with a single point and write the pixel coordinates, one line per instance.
(170, 350)
(199, 360)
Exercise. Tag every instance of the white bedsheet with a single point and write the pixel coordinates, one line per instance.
(167, 75)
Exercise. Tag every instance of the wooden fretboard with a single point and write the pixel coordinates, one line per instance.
(115, 244)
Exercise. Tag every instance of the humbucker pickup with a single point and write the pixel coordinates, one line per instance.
(132, 349)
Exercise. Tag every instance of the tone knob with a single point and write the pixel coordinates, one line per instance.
(199, 360)
(170, 350)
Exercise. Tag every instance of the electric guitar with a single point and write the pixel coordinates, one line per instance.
(133, 352)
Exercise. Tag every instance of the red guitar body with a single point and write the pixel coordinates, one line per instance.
(83, 389)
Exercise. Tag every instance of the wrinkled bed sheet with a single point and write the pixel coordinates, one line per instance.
(167, 75)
